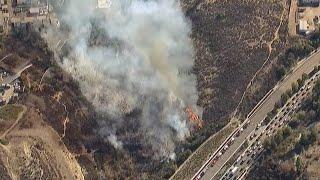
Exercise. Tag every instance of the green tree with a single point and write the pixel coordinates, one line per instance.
(267, 144)
(182, 156)
(278, 138)
(245, 144)
(268, 118)
(304, 77)
(298, 165)
(316, 90)
(315, 69)
(280, 72)
(284, 98)
(303, 139)
(300, 83)
(273, 143)
(286, 132)
(313, 135)
(294, 87)
(168, 168)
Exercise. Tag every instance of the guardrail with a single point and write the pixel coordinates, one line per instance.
(232, 134)
(214, 154)
(273, 119)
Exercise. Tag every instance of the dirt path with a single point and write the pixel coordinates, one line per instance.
(292, 18)
(41, 147)
(8, 55)
(269, 44)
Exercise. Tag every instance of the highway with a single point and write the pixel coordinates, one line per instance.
(209, 170)
(242, 165)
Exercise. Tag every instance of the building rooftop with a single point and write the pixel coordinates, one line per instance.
(104, 3)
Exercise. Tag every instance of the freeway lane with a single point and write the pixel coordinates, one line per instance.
(278, 122)
(305, 66)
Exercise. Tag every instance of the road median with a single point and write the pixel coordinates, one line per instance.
(200, 156)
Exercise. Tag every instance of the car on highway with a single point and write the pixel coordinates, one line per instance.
(252, 136)
(214, 160)
(238, 159)
(219, 154)
(239, 132)
(258, 126)
(249, 160)
(231, 141)
(280, 124)
(200, 175)
(234, 170)
(268, 127)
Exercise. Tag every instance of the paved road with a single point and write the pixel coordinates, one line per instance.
(15, 76)
(305, 66)
(246, 160)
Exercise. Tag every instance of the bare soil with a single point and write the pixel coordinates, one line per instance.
(37, 153)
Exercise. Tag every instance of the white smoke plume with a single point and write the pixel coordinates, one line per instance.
(137, 69)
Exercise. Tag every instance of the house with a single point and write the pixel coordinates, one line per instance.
(304, 27)
(34, 10)
(104, 4)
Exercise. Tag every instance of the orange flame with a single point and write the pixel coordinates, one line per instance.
(194, 117)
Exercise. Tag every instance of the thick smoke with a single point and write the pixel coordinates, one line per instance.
(138, 68)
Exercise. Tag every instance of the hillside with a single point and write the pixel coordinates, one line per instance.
(236, 44)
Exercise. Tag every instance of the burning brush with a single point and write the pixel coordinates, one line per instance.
(194, 118)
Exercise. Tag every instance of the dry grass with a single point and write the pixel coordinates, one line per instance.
(195, 161)
(10, 112)
(232, 41)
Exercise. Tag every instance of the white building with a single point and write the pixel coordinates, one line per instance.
(104, 3)
(304, 27)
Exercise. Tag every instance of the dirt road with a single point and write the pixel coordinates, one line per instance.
(35, 151)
